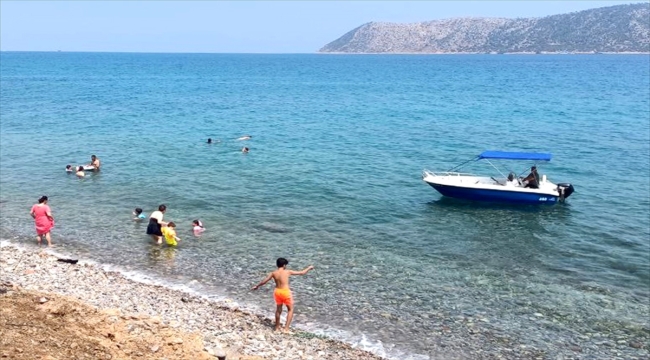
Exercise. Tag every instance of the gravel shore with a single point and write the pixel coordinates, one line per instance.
(242, 335)
(239, 334)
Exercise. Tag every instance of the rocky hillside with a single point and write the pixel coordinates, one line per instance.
(621, 28)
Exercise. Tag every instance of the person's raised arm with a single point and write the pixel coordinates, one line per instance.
(266, 279)
(303, 272)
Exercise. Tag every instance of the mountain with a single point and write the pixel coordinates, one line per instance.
(621, 28)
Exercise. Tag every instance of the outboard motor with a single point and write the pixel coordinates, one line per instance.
(565, 190)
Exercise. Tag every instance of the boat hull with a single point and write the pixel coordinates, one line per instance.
(503, 196)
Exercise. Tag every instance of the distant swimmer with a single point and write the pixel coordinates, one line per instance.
(209, 140)
(197, 227)
(245, 150)
(139, 215)
(245, 137)
(69, 169)
(80, 172)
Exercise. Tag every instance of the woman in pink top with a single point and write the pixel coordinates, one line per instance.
(43, 219)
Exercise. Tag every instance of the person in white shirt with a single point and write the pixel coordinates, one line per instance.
(156, 223)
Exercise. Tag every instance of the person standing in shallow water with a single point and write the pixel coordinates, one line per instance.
(43, 220)
(156, 223)
(94, 161)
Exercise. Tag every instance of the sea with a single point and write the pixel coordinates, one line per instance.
(333, 179)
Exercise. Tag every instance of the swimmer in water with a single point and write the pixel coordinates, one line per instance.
(245, 137)
(245, 150)
(209, 140)
(69, 169)
(80, 172)
(139, 215)
(197, 227)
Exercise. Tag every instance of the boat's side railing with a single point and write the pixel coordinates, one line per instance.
(426, 173)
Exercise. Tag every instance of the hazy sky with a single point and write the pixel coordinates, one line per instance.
(243, 26)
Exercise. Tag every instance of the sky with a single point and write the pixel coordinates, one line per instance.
(230, 26)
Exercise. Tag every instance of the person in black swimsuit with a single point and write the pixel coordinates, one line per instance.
(156, 223)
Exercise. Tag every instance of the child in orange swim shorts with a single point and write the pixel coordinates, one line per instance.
(282, 293)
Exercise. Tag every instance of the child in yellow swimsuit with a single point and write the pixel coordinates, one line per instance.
(282, 293)
(169, 232)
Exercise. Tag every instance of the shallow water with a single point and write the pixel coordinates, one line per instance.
(333, 179)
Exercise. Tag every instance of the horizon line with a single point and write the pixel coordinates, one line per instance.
(334, 53)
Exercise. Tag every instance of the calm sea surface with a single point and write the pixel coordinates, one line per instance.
(333, 179)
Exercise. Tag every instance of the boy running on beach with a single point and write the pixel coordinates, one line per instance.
(282, 293)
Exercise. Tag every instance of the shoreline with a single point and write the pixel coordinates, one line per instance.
(237, 332)
(246, 333)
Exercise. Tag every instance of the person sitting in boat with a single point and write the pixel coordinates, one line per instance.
(532, 180)
(511, 181)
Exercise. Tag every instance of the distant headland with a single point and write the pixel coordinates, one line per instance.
(614, 29)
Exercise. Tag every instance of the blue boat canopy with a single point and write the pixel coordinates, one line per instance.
(507, 155)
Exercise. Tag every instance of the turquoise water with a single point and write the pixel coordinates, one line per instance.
(333, 179)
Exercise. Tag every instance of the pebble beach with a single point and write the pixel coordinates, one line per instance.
(224, 327)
